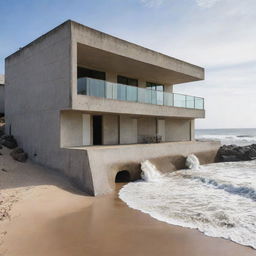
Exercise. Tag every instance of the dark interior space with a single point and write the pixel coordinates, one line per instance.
(97, 130)
(123, 176)
(85, 72)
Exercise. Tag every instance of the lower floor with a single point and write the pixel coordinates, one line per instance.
(83, 129)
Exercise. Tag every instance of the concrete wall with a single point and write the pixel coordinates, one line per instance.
(128, 130)
(110, 129)
(71, 128)
(41, 82)
(177, 130)
(146, 127)
(37, 87)
(105, 162)
(1, 98)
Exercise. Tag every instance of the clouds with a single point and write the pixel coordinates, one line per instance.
(152, 3)
(200, 3)
(206, 3)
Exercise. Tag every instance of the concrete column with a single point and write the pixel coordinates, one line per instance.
(110, 130)
(111, 77)
(168, 88)
(128, 130)
(161, 128)
(192, 129)
(86, 129)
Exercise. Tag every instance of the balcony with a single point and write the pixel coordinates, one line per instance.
(114, 91)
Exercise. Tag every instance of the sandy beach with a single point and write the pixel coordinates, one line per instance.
(42, 214)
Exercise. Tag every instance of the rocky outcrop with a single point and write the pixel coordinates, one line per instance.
(19, 155)
(8, 141)
(232, 153)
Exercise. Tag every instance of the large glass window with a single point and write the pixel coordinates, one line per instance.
(127, 80)
(157, 95)
(155, 87)
(125, 92)
(84, 85)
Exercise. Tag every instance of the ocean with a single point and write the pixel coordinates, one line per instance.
(218, 199)
(241, 137)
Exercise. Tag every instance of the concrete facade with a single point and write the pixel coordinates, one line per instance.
(53, 122)
(1, 94)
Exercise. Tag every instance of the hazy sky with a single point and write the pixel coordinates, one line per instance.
(219, 35)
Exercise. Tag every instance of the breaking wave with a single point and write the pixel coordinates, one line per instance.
(240, 140)
(217, 199)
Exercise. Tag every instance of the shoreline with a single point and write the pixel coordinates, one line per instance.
(51, 218)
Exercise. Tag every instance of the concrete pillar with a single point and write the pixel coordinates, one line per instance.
(110, 130)
(192, 129)
(128, 130)
(111, 77)
(168, 88)
(161, 128)
(86, 129)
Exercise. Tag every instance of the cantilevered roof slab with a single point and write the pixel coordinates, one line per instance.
(99, 50)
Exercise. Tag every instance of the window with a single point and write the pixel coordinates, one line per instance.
(85, 72)
(93, 88)
(127, 80)
(157, 95)
(155, 87)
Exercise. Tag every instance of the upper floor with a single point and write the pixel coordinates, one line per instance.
(79, 68)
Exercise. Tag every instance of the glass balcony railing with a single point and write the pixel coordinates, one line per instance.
(104, 89)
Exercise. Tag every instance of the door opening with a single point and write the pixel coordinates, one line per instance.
(97, 130)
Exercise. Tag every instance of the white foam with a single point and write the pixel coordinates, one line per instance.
(229, 139)
(218, 199)
(192, 162)
(149, 172)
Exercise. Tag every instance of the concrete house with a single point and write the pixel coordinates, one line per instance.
(1, 94)
(93, 106)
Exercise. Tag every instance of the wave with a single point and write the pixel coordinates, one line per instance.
(240, 140)
(217, 199)
(241, 191)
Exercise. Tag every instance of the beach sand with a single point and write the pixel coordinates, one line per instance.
(42, 214)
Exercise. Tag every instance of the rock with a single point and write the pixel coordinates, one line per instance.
(232, 153)
(19, 155)
(9, 142)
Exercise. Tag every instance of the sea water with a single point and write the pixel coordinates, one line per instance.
(218, 199)
(240, 137)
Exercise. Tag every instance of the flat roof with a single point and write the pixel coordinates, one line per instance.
(119, 47)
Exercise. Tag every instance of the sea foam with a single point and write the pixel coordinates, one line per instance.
(217, 199)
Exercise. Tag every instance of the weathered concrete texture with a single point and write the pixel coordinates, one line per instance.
(1, 94)
(2, 99)
(41, 82)
(110, 129)
(90, 103)
(128, 130)
(1, 79)
(178, 130)
(146, 127)
(106, 162)
(71, 128)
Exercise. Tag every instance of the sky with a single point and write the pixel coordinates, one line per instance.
(219, 35)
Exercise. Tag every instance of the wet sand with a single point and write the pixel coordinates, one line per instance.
(53, 220)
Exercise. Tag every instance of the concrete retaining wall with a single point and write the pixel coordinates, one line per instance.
(106, 162)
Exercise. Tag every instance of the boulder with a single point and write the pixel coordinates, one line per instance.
(9, 141)
(232, 153)
(19, 155)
